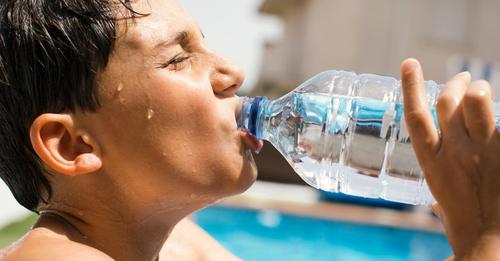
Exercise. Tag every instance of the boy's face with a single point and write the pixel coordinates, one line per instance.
(167, 122)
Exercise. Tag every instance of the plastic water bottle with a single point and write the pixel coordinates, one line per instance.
(343, 132)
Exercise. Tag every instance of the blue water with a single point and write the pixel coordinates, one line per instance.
(257, 235)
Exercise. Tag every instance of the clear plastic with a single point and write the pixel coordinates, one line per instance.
(343, 132)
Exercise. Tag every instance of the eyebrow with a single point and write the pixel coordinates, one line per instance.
(181, 37)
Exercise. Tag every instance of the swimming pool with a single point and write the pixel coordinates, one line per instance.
(268, 235)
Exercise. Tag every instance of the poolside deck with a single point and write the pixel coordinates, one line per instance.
(305, 201)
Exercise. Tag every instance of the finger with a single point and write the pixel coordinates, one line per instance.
(420, 122)
(449, 108)
(478, 112)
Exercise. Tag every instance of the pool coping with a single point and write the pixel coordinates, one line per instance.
(304, 201)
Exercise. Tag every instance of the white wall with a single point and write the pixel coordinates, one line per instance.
(236, 30)
(9, 208)
(368, 36)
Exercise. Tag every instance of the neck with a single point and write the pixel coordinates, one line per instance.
(120, 231)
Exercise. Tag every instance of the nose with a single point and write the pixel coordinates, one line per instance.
(226, 77)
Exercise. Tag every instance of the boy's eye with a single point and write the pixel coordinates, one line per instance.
(175, 62)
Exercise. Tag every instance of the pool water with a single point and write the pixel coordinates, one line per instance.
(267, 235)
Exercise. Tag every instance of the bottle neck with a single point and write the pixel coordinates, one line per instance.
(251, 117)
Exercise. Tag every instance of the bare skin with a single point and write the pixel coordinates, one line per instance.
(186, 242)
(163, 144)
(462, 166)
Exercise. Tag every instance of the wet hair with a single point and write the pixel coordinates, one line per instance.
(50, 54)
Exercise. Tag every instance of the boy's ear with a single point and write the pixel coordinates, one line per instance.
(62, 147)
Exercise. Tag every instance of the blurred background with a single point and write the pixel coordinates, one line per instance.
(282, 43)
(446, 36)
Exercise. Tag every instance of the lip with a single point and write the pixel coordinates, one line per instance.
(250, 141)
(247, 138)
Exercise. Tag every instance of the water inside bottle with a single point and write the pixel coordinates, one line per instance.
(349, 144)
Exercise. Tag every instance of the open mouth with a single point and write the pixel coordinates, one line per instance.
(251, 142)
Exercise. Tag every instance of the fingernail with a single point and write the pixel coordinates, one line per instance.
(464, 74)
(410, 65)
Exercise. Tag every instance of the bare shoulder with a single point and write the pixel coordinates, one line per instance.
(42, 246)
(190, 242)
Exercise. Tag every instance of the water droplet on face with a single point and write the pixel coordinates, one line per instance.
(151, 113)
(119, 88)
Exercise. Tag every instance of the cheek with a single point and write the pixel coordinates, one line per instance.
(187, 111)
(177, 130)
(198, 135)
(197, 125)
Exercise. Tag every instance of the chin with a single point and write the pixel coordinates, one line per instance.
(248, 174)
(243, 178)
(246, 182)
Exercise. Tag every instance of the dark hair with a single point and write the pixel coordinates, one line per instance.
(50, 54)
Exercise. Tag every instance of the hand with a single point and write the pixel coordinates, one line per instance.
(462, 164)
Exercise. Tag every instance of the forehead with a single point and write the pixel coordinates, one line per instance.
(164, 19)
